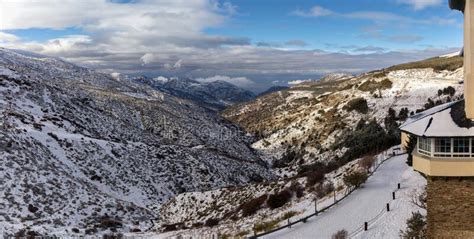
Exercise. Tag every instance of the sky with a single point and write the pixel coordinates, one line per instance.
(253, 44)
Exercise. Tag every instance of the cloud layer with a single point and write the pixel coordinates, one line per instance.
(168, 37)
(421, 4)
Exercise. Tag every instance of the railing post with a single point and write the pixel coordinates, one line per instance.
(289, 226)
(388, 207)
(393, 195)
(366, 226)
(398, 185)
(316, 206)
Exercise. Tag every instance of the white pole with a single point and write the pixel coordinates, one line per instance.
(469, 59)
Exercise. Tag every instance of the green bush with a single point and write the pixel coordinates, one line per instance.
(211, 222)
(289, 156)
(416, 227)
(355, 179)
(357, 104)
(314, 177)
(449, 91)
(279, 199)
(366, 138)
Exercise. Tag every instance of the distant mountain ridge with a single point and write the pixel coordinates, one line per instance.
(273, 89)
(215, 95)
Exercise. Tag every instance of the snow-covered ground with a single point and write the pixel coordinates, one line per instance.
(366, 203)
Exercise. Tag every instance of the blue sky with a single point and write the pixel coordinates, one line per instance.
(251, 43)
(279, 22)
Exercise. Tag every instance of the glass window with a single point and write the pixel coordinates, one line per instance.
(443, 145)
(472, 146)
(461, 145)
(424, 145)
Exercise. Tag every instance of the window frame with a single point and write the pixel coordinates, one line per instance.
(424, 146)
(443, 150)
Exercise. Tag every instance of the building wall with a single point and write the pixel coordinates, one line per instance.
(448, 167)
(450, 208)
(404, 140)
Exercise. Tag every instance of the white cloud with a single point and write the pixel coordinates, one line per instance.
(380, 16)
(315, 11)
(176, 66)
(147, 58)
(296, 42)
(161, 79)
(296, 82)
(8, 38)
(243, 82)
(148, 31)
(421, 4)
(158, 35)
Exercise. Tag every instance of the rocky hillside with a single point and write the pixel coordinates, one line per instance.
(85, 153)
(312, 117)
(315, 134)
(215, 95)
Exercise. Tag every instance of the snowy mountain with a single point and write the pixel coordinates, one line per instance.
(214, 95)
(85, 153)
(313, 134)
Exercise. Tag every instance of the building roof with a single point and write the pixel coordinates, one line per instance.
(446, 120)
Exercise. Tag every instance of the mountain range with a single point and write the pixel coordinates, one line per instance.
(215, 95)
(83, 152)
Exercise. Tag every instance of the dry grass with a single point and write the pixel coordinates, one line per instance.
(371, 85)
(437, 63)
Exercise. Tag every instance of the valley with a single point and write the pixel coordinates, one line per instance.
(99, 154)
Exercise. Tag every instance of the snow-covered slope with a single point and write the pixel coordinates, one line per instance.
(366, 204)
(301, 130)
(82, 152)
(309, 117)
(214, 95)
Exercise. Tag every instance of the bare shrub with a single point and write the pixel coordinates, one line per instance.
(420, 199)
(252, 206)
(367, 162)
(324, 189)
(341, 234)
(297, 189)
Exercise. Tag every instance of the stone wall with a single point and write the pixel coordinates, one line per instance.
(450, 208)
